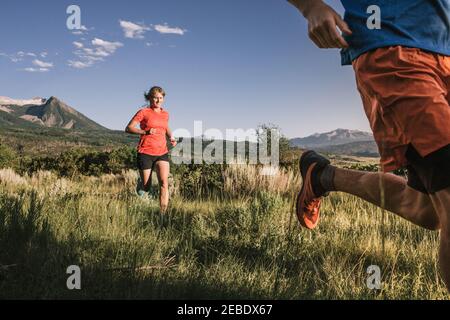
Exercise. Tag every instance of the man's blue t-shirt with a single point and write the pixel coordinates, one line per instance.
(423, 24)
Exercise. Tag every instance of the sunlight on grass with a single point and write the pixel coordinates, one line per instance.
(247, 245)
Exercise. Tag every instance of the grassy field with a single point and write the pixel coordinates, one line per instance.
(244, 243)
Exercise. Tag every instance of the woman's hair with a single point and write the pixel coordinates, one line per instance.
(151, 93)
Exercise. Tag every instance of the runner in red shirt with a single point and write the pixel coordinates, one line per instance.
(152, 149)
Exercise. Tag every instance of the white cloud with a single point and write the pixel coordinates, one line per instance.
(14, 57)
(107, 46)
(88, 56)
(86, 52)
(97, 52)
(44, 54)
(81, 31)
(42, 64)
(133, 30)
(19, 56)
(79, 64)
(23, 54)
(36, 69)
(166, 29)
(39, 65)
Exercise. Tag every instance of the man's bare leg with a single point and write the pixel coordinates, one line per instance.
(441, 202)
(399, 198)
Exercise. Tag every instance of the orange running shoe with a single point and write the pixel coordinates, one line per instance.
(311, 193)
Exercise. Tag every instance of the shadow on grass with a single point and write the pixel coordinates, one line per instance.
(33, 261)
(33, 264)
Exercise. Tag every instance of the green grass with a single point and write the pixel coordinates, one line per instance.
(244, 246)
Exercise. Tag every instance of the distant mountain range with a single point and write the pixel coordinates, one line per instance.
(53, 113)
(41, 112)
(340, 141)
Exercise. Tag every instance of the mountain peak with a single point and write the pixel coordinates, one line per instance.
(7, 101)
(335, 137)
(51, 112)
(53, 99)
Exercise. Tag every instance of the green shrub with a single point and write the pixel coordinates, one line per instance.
(374, 168)
(84, 162)
(8, 158)
(266, 202)
(200, 180)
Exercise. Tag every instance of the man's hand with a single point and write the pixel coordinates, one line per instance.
(322, 23)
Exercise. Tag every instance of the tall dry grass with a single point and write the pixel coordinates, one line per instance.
(244, 179)
(248, 246)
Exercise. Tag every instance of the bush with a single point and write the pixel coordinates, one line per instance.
(374, 168)
(84, 162)
(8, 158)
(266, 202)
(200, 180)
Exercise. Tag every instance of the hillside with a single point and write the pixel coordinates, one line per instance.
(360, 148)
(44, 113)
(332, 138)
(41, 141)
(340, 141)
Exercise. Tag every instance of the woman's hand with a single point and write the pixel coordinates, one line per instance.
(173, 141)
(150, 131)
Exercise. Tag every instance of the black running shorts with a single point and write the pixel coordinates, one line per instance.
(147, 162)
(431, 173)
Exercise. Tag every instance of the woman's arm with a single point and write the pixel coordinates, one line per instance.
(131, 128)
(169, 132)
(173, 141)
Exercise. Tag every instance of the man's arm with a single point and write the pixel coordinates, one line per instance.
(304, 6)
(322, 23)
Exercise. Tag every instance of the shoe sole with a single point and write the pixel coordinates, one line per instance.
(301, 197)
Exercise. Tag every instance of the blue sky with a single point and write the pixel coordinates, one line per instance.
(231, 64)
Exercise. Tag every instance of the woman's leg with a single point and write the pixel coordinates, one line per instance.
(145, 178)
(162, 171)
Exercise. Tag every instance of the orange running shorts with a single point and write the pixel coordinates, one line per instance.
(405, 93)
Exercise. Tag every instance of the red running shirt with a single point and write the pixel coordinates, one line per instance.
(154, 144)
